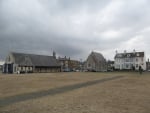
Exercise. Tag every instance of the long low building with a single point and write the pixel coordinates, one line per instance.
(26, 63)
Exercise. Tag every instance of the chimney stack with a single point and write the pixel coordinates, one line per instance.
(54, 54)
(125, 51)
(116, 52)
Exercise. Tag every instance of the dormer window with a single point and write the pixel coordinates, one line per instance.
(119, 55)
(128, 55)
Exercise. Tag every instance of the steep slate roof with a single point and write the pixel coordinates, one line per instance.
(35, 60)
(97, 56)
(129, 55)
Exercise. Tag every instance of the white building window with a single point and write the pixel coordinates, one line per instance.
(127, 60)
(142, 59)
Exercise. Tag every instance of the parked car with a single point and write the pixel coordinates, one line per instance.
(110, 70)
(77, 70)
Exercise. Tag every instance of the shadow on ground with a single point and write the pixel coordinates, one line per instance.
(34, 95)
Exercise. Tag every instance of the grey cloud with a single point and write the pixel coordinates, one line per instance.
(69, 27)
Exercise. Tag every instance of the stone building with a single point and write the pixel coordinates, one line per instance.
(96, 62)
(27, 63)
(68, 65)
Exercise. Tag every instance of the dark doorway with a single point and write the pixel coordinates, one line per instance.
(8, 68)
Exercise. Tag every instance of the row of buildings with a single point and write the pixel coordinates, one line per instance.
(28, 63)
(122, 61)
(32, 63)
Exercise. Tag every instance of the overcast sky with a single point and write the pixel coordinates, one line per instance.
(74, 28)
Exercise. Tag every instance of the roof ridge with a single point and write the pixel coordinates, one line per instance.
(98, 56)
(30, 54)
(130, 52)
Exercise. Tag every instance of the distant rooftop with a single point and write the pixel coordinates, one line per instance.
(97, 56)
(129, 55)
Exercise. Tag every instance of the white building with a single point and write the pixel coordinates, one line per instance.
(130, 61)
(1, 65)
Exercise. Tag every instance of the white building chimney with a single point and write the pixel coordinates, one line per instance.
(116, 52)
(125, 51)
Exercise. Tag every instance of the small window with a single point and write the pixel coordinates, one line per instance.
(142, 59)
(137, 54)
(31, 68)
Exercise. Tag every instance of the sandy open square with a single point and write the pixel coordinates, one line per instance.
(78, 92)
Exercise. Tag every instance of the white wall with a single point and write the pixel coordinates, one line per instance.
(120, 63)
(2, 63)
(1, 66)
